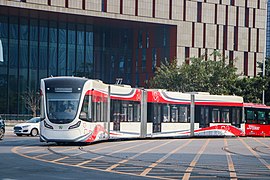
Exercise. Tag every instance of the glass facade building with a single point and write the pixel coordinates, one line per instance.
(36, 45)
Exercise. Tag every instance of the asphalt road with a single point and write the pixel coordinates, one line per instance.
(204, 158)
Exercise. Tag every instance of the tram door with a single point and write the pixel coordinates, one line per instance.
(204, 118)
(157, 118)
(236, 117)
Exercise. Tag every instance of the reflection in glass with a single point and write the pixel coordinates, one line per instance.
(62, 106)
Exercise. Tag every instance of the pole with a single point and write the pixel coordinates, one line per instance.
(192, 114)
(143, 114)
(109, 111)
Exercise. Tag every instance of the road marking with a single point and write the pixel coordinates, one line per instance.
(96, 158)
(33, 150)
(136, 155)
(83, 152)
(261, 142)
(230, 162)
(194, 161)
(146, 171)
(255, 154)
(42, 155)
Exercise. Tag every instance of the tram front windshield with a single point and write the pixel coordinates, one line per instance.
(62, 107)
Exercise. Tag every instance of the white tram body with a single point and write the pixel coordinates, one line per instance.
(77, 109)
(215, 115)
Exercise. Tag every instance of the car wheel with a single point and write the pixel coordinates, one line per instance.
(2, 132)
(34, 132)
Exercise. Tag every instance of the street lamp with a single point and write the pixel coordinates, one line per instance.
(264, 58)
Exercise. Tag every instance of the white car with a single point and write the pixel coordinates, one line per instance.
(30, 127)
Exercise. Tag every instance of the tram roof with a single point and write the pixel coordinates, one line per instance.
(255, 105)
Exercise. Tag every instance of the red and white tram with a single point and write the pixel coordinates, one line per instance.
(257, 119)
(215, 115)
(77, 109)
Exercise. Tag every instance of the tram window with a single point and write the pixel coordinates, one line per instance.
(261, 117)
(174, 113)
(137, 111)
(250, 117)
(99, 109)
(225, 116)
(124, 113)
(215, 115)
(236, 117)
(268, 118)
(130, 113)
(86, 109)
(115, 111)
(183, 112)
(166, 109)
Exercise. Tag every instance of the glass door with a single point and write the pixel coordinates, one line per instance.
(204, 120)
(157, 118)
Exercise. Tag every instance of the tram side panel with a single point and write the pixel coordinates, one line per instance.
(125, 112)
(257, 120)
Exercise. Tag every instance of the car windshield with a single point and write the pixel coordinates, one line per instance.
(34, 120)
(62, 107)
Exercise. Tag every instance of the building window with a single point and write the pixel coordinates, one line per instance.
(170, 10)
(217, 38)
(140, 40)
(154, 9)
(83, 4)
(246, 63)
(136, 7)
(246, 17)
(225, 34)
(235, 39)
(231, 58)
(184, 10)
(104, 6)
(193, 34)
(187, 54)
(121, 6)
(143, 60)
(147, 40)
(154, 59)
(199, 12)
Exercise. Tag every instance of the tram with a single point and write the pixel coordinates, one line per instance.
(215, 115)
(77, 109)
(257, 119)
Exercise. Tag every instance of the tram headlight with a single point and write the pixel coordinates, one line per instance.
(47, 125)
(75, 125)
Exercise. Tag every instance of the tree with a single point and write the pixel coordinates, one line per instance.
(209, 75)
(166, 76)
(266, 78)
(32, 101)
(250, 88)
